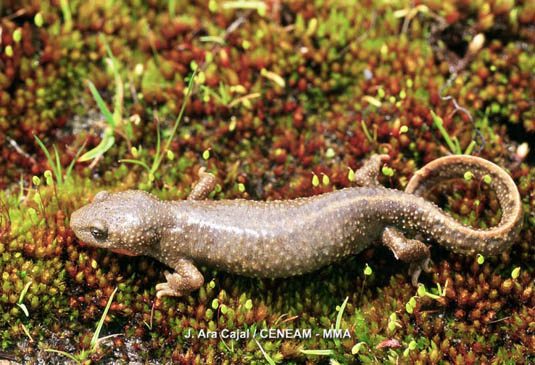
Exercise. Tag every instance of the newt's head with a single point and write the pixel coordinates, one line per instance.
(125, 222)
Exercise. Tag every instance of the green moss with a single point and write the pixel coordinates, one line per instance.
(267, 135)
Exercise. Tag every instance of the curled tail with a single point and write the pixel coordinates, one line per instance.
(461, 238)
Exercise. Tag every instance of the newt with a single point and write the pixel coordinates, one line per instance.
(274, 239)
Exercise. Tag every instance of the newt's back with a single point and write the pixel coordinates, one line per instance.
(275, 238)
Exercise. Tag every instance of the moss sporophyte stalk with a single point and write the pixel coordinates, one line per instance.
(288, 101)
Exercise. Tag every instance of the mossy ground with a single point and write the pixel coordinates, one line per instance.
(286, 92)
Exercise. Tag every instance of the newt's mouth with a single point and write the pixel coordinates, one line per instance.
(123, 251)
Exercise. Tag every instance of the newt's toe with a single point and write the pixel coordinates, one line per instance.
(416, 269)
(163, 289)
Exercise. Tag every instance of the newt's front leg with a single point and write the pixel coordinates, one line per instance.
(185, 279)
(204, 186)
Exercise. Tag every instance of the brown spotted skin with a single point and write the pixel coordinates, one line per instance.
(284, 238)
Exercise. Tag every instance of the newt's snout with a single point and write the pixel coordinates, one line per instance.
(76, 221)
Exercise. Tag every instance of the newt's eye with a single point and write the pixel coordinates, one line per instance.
(98, 234)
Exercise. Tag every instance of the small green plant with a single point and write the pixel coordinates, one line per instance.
(39, 198)
(351, 174)
(515, 273)
(470, 148)
(341, 310)
(270, 75)
(329, 352)
(26, 332)
(171, 7)
(387, 171)
(356, 348)
(17, 35)
(149, 325)
(317, 352)
(412, 346)
(409, 13)
(367, 272)
(95, 340)
(367, 133)
(21, 298)
(116, 123)
(453, 143)
(38, 20)
(67, 16)
(315, 180)
(223, 95)
(393, 322)
(215, 39)
(109, 139)
(372, 101)
(410, 305)
(259, 6)
(55, 164)
(266, 355)
(160, 153)
(9, 51)
(439, 292)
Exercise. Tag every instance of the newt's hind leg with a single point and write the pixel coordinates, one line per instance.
(368, 173)
(412, 251)
(204, 186)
